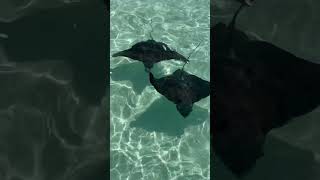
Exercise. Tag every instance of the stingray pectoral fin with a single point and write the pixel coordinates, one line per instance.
(125, 53)
(200, 87)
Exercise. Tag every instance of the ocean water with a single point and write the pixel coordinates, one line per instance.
(149, 138)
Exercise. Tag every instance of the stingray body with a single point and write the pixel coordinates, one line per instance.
(150, 52)
(182, 88)
(258, 87)
(74, 33)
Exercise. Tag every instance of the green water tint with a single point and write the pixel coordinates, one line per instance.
(149, 138)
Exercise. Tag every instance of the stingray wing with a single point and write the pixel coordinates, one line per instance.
(200, 88)
(241, 122)
(158, 45)
(292, 79)
(285, 75)
(242, 118)
(243, 114)
(143, 46)
(150, 46)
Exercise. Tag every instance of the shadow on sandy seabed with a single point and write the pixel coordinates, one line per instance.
(162, 116)
(133, 72)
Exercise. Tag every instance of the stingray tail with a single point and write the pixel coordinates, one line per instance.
(186, 60)
(233, 23)
(151, 29)
(192, 52)
(183, 66)
(150, 24)
(234, 18)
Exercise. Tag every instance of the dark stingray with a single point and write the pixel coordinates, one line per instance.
(182, 88)
(150, 52)
(258, 87)
(74, 33)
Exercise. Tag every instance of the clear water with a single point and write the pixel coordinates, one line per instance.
(149, 138)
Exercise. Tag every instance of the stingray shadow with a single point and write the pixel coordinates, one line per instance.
(162, 116)
(133, 72)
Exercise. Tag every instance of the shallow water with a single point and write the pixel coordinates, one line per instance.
(149, 138)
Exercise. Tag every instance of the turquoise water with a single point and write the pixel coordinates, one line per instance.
(149, 138)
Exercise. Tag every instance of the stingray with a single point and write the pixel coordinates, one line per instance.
(74, 33)
(258, 87)
(181, 88)
(150, 52)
